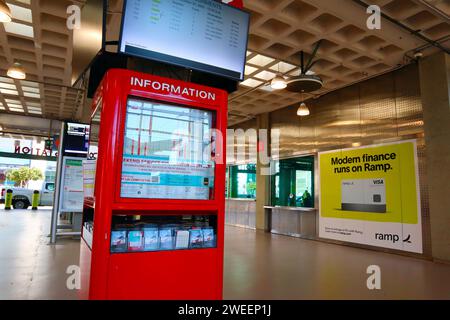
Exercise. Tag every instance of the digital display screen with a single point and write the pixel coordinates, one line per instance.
(76, 139)
(168, 152)
(204, 35)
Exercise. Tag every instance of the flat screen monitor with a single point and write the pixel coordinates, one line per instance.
(167, 152)
(204, 35)
(76, 139)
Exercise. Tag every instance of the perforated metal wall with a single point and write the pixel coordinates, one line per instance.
(384, 109)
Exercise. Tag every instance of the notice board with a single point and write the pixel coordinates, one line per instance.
(71, 185)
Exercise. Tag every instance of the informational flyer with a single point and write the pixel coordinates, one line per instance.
(144, 177)
(89, 169)
(370, 195)
(72, 185)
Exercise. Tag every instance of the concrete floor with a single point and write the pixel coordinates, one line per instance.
(257, 266)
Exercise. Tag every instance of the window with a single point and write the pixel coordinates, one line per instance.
(293, 182)
(242, 181)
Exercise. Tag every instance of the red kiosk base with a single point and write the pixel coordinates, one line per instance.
(154, 227)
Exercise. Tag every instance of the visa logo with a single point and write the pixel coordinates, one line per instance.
(378, 182)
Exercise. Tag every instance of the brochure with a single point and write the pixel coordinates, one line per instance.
(195, 238)
(209, 240)
(165, 239)
(119, 241)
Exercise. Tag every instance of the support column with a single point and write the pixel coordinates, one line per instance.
(435, 91)
(262, 180)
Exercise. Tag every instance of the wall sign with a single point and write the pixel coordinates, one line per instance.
(41, 152)
(370, 195)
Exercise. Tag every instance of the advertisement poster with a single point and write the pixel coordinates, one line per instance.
(370, 195)
(72, 185)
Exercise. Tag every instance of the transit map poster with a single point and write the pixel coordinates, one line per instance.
(72, 185)
(370, 195)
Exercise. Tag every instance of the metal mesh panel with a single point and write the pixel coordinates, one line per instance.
(383, 109)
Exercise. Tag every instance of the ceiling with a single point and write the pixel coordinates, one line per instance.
(39, 39)
(349, 51)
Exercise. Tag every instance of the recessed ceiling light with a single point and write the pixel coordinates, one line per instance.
(30, 89)
(249, 70)
(251, 83)
(7, 80)
(21, 13)
(17, 106)
(34, 112)
(5, 12)
(282, 67)
(265, 75)
(7, 86)
(10, 92)
(29, 84)
(32, 95)
(20, 29)
(260, 60)
(16, 110)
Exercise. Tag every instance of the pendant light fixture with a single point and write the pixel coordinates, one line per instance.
(303, 109)
(279, 82)
(5, 12)
(17, 72)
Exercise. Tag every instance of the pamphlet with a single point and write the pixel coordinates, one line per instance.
(151, 239)
(119, 241)
(182, 239)
(196, 238)
(166, 239)
(135, 240)
(209, 240)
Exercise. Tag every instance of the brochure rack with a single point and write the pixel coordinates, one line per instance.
(153, 227)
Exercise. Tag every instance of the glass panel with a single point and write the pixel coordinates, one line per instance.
(167, 153)
(293, 182)
(243, 181)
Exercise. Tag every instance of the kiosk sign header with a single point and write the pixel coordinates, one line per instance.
(170, 88)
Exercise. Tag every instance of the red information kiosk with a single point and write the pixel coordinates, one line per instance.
(154, 227)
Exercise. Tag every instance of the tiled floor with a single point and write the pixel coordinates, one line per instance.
(257, 266)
